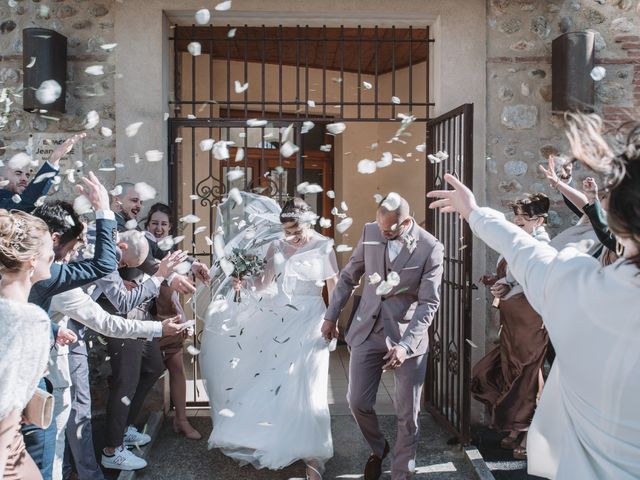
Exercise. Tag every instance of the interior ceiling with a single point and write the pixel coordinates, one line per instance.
(323, 49)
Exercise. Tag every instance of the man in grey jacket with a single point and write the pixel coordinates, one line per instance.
(402, 265)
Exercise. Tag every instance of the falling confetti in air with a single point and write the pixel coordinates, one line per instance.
(344, 206)
(154, 155)
(241, 87)
(131, 224)
(223, 6)
(92, 120)
(32, 62)
(392, 202)
(367, 85)
(19, 161)
(225, 412)
(203, 16)
(193, 350)
(374, 278)
(146, 191)
(108, 46)
(336, 128)
(194, 48)
(231, 33)
(395, 100)
(190, 219)
(366, 166)
(235, 195)
(344, 225)
(48, 92)
(206, 144)
(126, 400)
(325, 222)
(438, 157)
(385, 161)
(598, 73)
(254, 122)
(235, 174)
(239, 154)
(132, 129)
(288, 149)
(106, 132)
(307, 126)
(343, 248)
(94, 70)
(311, 103)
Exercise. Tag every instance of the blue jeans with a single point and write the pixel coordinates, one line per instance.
(41, 444)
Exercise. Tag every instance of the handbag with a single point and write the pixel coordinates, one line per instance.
(39, 410)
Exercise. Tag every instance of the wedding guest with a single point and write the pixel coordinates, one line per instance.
(391, 331)
(168, 305)
(587, 424)
(41, 442)
(26, 255)
(19, 193)
(135, 364)
(508, 380)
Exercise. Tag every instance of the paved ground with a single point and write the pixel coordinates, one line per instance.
(174, 457)
(500, 461)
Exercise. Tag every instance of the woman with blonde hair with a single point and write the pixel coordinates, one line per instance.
(26, 254)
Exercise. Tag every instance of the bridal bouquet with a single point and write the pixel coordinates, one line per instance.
(241, 264)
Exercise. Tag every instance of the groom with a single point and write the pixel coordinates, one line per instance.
(390, 328)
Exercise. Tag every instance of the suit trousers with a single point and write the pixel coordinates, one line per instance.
(79, 449)
(365, 371)
(136, 365)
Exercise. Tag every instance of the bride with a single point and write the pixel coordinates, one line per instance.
(263, 359)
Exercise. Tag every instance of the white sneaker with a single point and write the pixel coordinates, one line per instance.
(133, 437)
(123, 459)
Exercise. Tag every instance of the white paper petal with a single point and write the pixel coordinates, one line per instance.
(132, 129)
(19, 161)
(374, 278)
(385, 161)
(344, 225)
(131, 224)
(82, 205)
(92, 120)
(106, 132)
(206, 144)
(94, 70)
(392, 202)
(227, 266)
(336, 128)
(199, 230)
(190, 219)
(146, 191)
(383, 288)
(598, 73)
(154, 155)
(223, 6)
(240, 87)
(194, 48)
(166, 243)
(366, 166)
(225, 412)
(367, 85)
(377, 197)
(307, 126)
(203, 16)
(325, 222)
(239, 154)
(393, 279)
(343, 248)
(395, 100)
(108, 46)
(254, 122)
(235, 174)
(231, 33)
(288, 149)
(48, 92)
(193, 350)
(343, 206)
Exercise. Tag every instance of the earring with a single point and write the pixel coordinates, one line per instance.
(619, 249)
(32, 270)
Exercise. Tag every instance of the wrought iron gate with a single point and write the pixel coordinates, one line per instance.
(449, 371)
(285, 77)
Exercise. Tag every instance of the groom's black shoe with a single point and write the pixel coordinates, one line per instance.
(373, 468)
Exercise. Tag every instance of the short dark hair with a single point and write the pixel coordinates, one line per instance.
(158, 207)
(294, 210)
(536, 205)
(62, 219)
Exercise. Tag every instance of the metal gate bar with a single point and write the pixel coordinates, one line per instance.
(448, 378)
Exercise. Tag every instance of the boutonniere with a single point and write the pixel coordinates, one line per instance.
(411, 242)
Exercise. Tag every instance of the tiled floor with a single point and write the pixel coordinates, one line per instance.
(337, 394)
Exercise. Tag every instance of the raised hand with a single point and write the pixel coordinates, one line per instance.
(95, 192)
(201, 271)
(590, 189)
(65, 148)
(550, 172)
(459, 200)
(170, 262)
(182, 284)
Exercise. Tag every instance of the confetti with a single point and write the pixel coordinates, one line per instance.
(344, 206)
(233, 363)
(438, 157)
(331, 194)
(306, 188)
(190, 219)
(108, 46)
(48, 92)
(473, 345)
(231, 33)
(194, 48)
(32, 62)
(92, 120)
(367, 85)
(344, 225)
(203, 16)
(166, 243)
(385, 161)
(131, 224)
(241, 87)
(421, 148)
(206, 144)
(384, 288)
(239, 154)
(288, 149)
(265, 424)
(94, 70)
(235, 195)
(235, 174)
(374, 278)
(336, 128)
(325, 148)
(19, 161)
(106, 132)
(311, 103)
(193, 350)
(395, 100)
(598, 73)
(153, 155)
(307, 126)
(377, 198)
(199, 230)
(393, 279)
(254, 122)
(126, 400)
(392, 202)
(16, 198)
(366, 166)
(325, 222)
(225, 412)
(343, 248)
(132, 129)
(223, 6)
(82, 205)
(146, 191)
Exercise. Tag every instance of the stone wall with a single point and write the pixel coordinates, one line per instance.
(521, 130)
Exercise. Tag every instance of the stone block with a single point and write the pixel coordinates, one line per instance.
(519, 117)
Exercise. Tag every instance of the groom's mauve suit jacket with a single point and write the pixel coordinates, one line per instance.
(407, 311)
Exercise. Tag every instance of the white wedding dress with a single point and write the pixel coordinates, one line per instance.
(264, 361)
